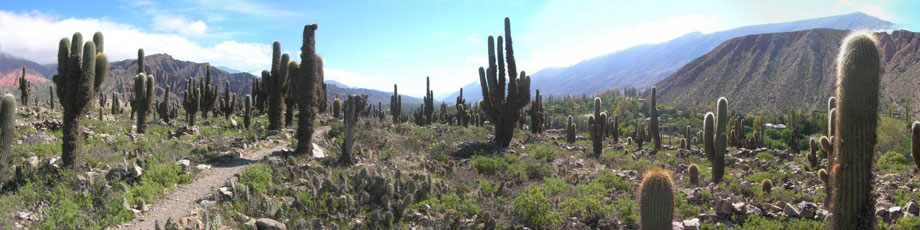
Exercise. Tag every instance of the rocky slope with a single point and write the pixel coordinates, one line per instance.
(774, 72)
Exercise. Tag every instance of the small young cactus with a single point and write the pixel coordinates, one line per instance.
(597, 123)
(656, 200)
(337, 108)
(570, 130)
(858, 81)
(766, 185)
(694, 173)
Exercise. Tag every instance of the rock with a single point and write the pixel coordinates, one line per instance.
(738, 207)
(33, 161)
(752, 210)
(268, 224)
(54, 162)
(170, 225)
(882, 213)
(676, 225)
(233, 123)
(895, 212)
(691, 224)
(136, 171)
(807, 210)
(225, 193)
(318, 152)
(186, 165)
(202, 167)
(912, 208)
(724, 208)
(191, 222)
(791, 211)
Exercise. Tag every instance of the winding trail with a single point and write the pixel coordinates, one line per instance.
(181, 201)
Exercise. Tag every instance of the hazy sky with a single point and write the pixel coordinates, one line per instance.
(374, 44)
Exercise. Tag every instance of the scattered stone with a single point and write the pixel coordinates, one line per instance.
(807, 210)
(882, 213)
(33, 161)
(186, 165)
(691, 224)
(895, 212)
(724, 209)
(170, 225)
(202, 167)
(791, 211)
(191, 222)
(318, 152)
(225, 193)
(269, 224)
(912, 208)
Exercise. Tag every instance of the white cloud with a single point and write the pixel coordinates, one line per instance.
(568, 50)
(179, 25)
(35, 36)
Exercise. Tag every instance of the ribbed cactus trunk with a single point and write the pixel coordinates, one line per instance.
(191, 101)
(209, 94)
(615, 130)
(276, 82)
(429, 101)
(915, 143)
(163, 107)
(503, 110)
(653, 121)
(25, 88)
(81, 71)
(247, 111)
(307, 90)
(858, 71)
(570, 130)
(597, 124)
(396, 105)
(144, 89)
(51, 98)
(290, 103)
(7, 126)
(536, 114)
(709, 135)
(353, 107)
(718, 160)
(656, 200)
(337, 108)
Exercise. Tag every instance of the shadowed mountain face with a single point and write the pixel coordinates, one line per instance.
(644, 65)
(778, 71)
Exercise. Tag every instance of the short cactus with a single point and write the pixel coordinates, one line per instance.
(693, 172)
(570, 130)
(337, 108)
(656, 200)
(51, 98)
(858, 80)
(81, 71)
(766, 185)
(812, 155)
(597, 123)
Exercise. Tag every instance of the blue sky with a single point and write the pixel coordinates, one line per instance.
(374, 44)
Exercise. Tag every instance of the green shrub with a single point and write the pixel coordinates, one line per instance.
(489, 165)
(544, 153)
(908, 222)
(256, 177)
(451, 202)
(764, 156)
(892, 162)
(613, 181)
(534, 209)
(554, 186)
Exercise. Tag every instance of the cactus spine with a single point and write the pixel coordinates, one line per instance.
(570, 130)
(656, 200)
(653, 121)
(858, 71)
(143, 101)
(81, 71)
(502, 110)
(308, 96)
(25, 88)
(597, 123)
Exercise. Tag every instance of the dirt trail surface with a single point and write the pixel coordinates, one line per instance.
(181, 201)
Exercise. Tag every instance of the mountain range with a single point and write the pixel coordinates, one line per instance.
(778, 71)
(644, 65)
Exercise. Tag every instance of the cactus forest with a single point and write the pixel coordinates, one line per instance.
(250, 115)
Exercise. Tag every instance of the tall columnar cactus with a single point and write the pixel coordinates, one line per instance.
(858, 71)
(25, 88)
(615, 129)
(353, 107)
(321, 102)
(536, 114)
(656, 200)
(143, 101)
(709, 135)
(503, 110)
(309, 95)
(141, 68)
(228, 102)
(290, 101)
(247, 111)
(395, 105)
(7, 125)
(429, 101)
(570, 130)
(721, 120)
(191, 101)
(915, 142)
(812, 155)
(597, 123)
(276, 83)
(209, 94)
(718, 160)
(653, 121)
(51, 98)
(81, 71)
(116, 104)
(164, 109)
(255, 92)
